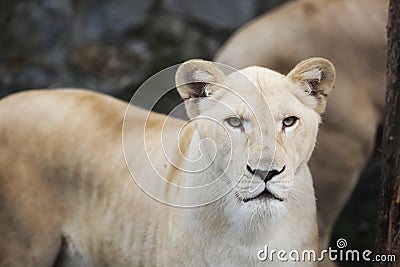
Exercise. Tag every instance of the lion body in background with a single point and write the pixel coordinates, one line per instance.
(351, 34)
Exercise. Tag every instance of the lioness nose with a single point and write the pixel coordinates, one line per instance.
(265, 175)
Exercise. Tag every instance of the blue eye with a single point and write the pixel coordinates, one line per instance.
(234, 122)
(289, 121)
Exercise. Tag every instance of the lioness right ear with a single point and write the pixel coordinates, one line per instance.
(197, 79)
(315, 77)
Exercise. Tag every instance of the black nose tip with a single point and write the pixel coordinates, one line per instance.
(270, 175)
(265, 175)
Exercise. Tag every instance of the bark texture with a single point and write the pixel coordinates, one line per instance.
(388, 226)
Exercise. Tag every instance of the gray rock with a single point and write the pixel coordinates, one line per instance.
(43, 23)
(222, 13)
(111, 68)
(102, 20)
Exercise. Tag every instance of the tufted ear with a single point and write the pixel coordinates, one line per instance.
(195, 80)
(316, 77)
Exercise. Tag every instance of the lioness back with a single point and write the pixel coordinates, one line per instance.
(60, 155)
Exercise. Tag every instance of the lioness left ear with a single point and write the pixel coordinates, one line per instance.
(316, 77)
(197, 79)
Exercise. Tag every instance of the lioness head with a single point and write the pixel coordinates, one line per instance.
(261, 128)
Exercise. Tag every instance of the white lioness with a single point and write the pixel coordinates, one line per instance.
(352, 35)
(67, 197)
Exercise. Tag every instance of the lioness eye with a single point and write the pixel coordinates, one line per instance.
(289, 121)
(235, 122)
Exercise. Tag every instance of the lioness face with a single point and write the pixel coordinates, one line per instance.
(263, 127)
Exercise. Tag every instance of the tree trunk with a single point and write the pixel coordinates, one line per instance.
(388, 227)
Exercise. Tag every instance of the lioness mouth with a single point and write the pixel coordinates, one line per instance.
(265, 194)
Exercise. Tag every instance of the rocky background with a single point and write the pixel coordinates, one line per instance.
(112, 46)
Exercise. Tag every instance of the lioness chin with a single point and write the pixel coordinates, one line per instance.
(68, 198)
